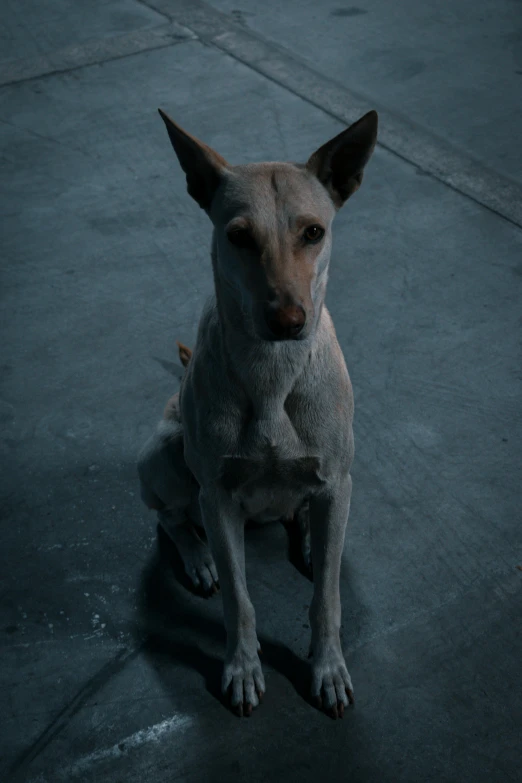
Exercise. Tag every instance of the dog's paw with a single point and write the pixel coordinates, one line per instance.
(201, 570)
(243, 681)
(332, 688)
(194, 552)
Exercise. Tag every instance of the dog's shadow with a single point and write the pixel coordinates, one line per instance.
(182, 628)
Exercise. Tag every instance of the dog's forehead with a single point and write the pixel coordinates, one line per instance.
(262, 191)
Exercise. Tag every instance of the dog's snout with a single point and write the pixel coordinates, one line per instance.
(285, 323)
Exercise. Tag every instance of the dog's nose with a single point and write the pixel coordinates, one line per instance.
(285, 322)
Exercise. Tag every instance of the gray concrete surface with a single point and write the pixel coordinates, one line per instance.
(31, 29)
(109, 666)
(453, 67)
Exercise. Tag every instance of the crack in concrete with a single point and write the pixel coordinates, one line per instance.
(95, 52)
(20, 766)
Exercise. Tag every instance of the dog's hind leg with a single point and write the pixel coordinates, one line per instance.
(168, 487)
(303, 520)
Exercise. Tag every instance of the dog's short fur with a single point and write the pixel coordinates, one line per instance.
(262, 426)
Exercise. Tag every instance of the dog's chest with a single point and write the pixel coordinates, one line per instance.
(272, 469)
(270, 429)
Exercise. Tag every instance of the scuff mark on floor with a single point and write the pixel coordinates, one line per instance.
(155, 733)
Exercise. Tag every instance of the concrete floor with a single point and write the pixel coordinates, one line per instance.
(109, 667)
(453, 67)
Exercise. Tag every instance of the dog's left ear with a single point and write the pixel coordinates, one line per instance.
(339, 164)
(202, 165)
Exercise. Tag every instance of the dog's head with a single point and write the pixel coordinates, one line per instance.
(273, 225)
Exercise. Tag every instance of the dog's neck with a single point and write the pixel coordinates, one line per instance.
(266, 370)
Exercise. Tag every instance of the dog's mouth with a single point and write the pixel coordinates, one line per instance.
(295, 336)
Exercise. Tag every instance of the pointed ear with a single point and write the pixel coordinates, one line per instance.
(339, 163)
(203, 166)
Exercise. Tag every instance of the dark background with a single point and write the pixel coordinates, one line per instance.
(109, 667)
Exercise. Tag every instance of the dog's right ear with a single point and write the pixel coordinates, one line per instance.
(202, 165)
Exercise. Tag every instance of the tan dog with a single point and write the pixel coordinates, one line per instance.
(262, 426)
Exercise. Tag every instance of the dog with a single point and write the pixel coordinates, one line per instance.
(261, 428)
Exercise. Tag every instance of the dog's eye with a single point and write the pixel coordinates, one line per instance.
(240, 237)
(313, 233)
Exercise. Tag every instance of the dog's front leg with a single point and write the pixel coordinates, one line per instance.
(225, 531)
(331, 683)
